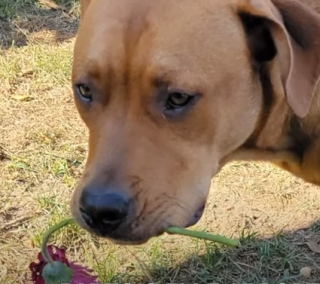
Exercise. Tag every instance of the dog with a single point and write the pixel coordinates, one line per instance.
(171, 91)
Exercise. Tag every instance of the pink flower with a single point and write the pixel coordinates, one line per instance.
(80, 275)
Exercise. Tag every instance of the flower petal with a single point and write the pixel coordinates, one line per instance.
(82, 274)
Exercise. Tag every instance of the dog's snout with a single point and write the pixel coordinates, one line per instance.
(104, 211)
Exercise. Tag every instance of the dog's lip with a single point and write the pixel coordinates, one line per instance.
(197, 216)
(125, 241)
(140, 240)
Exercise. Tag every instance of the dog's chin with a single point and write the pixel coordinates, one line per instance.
(125, 236)
(141, 239)
(129, 238)
(127, 243)
(130, 241)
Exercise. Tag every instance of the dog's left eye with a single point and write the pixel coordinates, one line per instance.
(84, 92)
(178, 100)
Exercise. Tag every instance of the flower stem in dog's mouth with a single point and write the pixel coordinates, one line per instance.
(203, 236)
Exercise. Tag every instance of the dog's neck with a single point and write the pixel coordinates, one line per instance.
(280, 136)
(302, 138)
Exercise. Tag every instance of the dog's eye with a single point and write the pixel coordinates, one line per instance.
(178, 100)
(85, 92)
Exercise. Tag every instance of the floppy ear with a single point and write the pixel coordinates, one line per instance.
(290, 31)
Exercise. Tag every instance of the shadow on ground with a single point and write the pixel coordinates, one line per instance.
(22, 18)
(276, 260)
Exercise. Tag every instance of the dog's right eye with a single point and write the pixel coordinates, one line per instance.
(178, 100)
(84, 92)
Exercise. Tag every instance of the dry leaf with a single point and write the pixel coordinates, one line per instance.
(45, 137)
(315, 247)
(306, 272)
(22, 98)
(51, 5)
(26, 72)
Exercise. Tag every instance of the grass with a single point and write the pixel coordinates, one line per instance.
(42, 150)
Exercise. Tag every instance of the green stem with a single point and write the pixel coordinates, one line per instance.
(47, 235)
(202, 235)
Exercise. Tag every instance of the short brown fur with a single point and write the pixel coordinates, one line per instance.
(253, 104)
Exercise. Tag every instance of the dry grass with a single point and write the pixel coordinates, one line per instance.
(42, 150)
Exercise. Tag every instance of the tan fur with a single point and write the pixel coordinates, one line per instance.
(166, 165)
(84, 4)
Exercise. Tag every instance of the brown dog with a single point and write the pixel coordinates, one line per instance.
(173, 90)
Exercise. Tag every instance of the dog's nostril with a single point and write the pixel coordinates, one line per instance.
(113, 216)
(86, 217)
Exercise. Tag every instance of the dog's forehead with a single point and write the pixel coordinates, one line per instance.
(166, 34)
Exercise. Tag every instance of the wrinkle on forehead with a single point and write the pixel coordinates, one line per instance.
(127, 46)
(122, 33)
(117, 49)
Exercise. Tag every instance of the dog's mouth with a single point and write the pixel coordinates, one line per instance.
(197, 216)
(194, 220)
(124, 236)
(127, 237)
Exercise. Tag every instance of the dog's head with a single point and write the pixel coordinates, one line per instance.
(169, 89)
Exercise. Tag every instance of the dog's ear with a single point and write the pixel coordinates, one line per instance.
(84, 4)
(290, 31)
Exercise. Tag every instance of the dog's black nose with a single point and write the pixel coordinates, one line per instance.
(104, 211)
